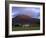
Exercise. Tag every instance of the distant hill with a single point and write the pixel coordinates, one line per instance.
(24, 19)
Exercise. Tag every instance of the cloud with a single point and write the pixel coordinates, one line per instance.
(34, 12)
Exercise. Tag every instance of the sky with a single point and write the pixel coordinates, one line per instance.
(29, 11)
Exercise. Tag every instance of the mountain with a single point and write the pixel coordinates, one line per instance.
(23, 19)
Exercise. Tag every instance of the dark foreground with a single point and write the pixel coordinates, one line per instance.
(21, 28)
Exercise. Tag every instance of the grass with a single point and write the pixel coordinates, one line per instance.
(21, 28)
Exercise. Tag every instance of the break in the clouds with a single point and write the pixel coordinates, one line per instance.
(30, 11)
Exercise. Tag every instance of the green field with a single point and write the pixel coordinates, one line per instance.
(21, 28)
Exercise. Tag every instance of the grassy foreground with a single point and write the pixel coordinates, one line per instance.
(21, 28)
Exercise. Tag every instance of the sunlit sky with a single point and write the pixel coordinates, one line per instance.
(29, 11)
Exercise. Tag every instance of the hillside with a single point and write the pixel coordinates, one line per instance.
(24, 19)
